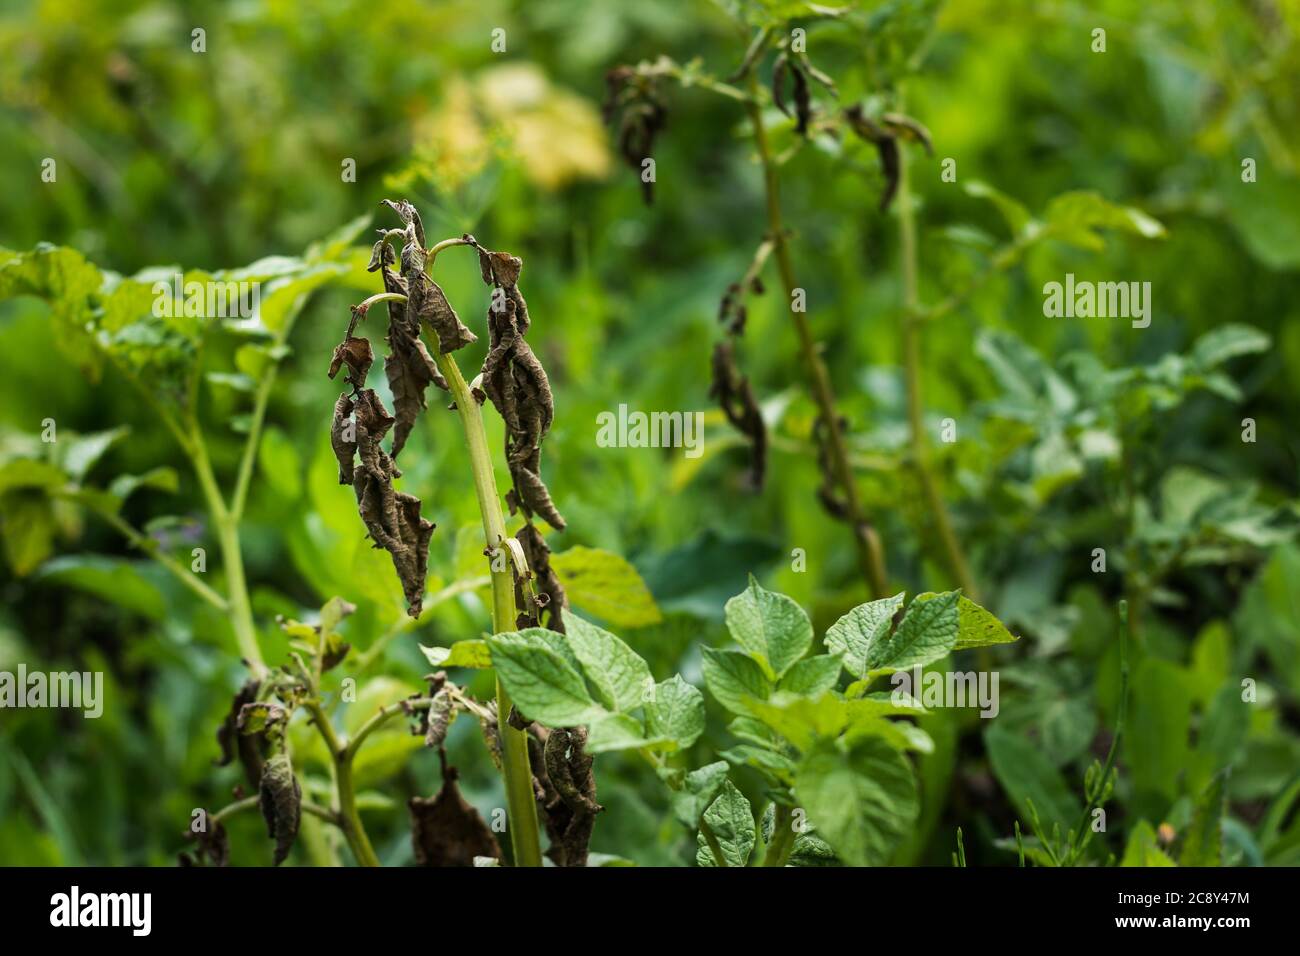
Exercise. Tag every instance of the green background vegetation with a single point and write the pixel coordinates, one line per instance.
(206, 162)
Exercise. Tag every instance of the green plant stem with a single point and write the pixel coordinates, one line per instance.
(525, 838)
(778, 851)
(150, 547)
(911, 335)
(252, 444)
(871, 559)
(241, 611)
(349, 819)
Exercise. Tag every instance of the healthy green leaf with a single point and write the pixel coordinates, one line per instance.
(618, 673)
(771, 627)
(862, 801)
(732, 822)
(857, 633)
(734, 678)
(676, 712)
(545, 686)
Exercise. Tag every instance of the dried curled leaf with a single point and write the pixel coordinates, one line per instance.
(426, 304)
(735, 396)
(442, 711)
(632, 99)
(343, 438)
(357, 355)
(549, 592)
(280, 799)
(213, 844)
(249, 748)
(566, 792)
(446, 830)
(409, 366)
(516, 383)
(392, 518)
(885, 135)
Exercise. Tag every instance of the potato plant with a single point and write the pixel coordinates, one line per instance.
(959, 573)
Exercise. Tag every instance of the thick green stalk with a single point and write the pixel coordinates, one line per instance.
(911, 332)
(871, 559)
(525, 837)
(232, 558)
(349, 819)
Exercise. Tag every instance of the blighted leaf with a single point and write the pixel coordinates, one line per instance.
(551, 595)
(392, 517)
(735, 396)
(262, 717)
(447, 831)
(232, 742)
(634, 107)
(213, 843)
(357, 355)
(569, 807)
(517, 385)
(280, 798)
(442, 711)
(343, 438)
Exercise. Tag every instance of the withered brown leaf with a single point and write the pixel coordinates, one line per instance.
(517, 385)
(392, 518)
(343, 437)
(446, 830)
(280, 798)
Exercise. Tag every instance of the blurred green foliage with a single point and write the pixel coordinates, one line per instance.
(1074, 434)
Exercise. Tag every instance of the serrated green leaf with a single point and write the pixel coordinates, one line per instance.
(855, 634)
(812, 675)
(545, 686)
(927, 633)
(732, 822)
(771, 628)
(617, 732)
(618, 673)
(607, 586)
(697, 790)
(733, 678)
(862, 801)
(676, 712)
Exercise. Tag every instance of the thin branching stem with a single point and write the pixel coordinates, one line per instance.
(954, 556)
(870, 551)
